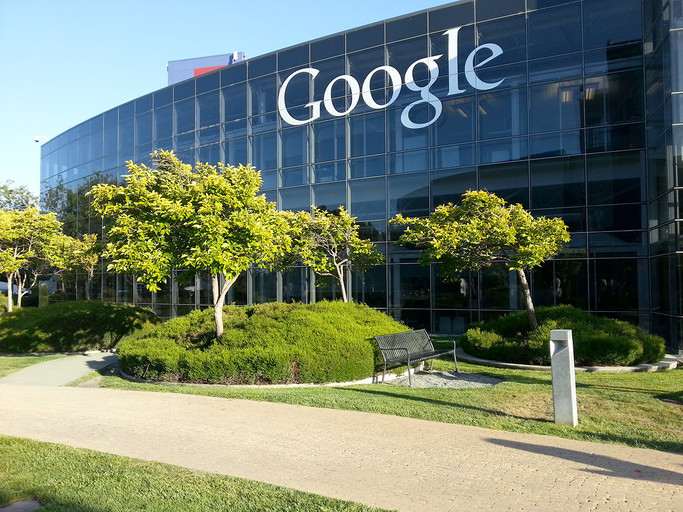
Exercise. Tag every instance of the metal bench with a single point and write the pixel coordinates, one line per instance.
(409, 348)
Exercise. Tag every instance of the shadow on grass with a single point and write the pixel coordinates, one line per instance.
(611, 466)
(441, 403)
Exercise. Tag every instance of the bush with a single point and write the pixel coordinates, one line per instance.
(264, 343)
(71, 326)
(598, 341)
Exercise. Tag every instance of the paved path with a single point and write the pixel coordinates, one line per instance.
(60, 372)
(384, 461)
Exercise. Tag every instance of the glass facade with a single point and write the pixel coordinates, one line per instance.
(549, 103)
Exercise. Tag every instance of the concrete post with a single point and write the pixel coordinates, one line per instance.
(564, 382)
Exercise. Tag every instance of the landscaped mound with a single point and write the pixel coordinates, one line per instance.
(598, 341)
(264, 343)
(71, 326)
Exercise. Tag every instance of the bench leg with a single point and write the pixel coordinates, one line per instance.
(384, 372)
(410, 378)
(456, 362)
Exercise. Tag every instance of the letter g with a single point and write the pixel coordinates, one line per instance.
(282, 108)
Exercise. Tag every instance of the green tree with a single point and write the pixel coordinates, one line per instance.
(328, 242)
(482, 231)
(16, 198)
(73, 254)
(171, 216)
(27, 241)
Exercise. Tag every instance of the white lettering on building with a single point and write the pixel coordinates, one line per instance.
(396, 81)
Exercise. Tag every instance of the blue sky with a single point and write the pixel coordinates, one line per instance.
(64, 61)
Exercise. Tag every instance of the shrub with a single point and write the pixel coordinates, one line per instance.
(598, 341)
(264, 343)
(71, 326)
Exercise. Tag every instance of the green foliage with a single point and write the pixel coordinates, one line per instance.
(264, 343)
(329, 243)
(210, 218)
(71, 326)
(16, 198)
(598, 341)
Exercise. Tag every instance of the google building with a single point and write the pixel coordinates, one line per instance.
(573, 108)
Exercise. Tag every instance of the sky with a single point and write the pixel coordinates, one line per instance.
(65, 61)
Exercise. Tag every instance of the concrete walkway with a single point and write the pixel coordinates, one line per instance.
(384, 461)
(60, 372)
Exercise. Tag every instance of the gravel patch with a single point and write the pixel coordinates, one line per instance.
(436, 379)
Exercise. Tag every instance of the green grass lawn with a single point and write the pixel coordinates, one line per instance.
(76, 480)
(613, 408)
(10, 364)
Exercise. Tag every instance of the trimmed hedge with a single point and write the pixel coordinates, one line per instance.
(264, 343)
(71, 326)
(598, 341)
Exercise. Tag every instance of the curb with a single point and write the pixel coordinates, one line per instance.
(670, 362)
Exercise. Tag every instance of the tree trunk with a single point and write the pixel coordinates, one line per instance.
(528, 303)
(219, 301)
(88, 283)
(342, 284)
(10, 279)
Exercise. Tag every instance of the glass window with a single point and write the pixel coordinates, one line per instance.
(330, 140)
(614, 138)
(361, 63)
(263, 123)
(367, 134)
(614, 285)
(368, 199)
(263, 95)
(453, 156)
(558, 182)
(183, 90)
(143, 104)
(294, 144)
(410, 161)
(293, 57)
(615, 98)
(328, 70)
(367, 167)
(442, 19)
(498, 287)
(487, 9)
(410, 285)
(261, 65)
(616, 177)
(163, 97)
(616, 218)
(235, 102)
(557, 106)
(209, 135)
(375, 231)
(235, 151)
(552, 68)
(502, 113)
(328, 47)
(163, 122)
(235, 129)
(208, 82)
(184, 116)
(509, 181)
(508, 33)
(449, 185)
(556, 144)
(143, 129)
(613, 58)
(456, 123)
(233, 74)
(409, 195)
(370, 287)
(209, 109)
(184, 141)
(264, 151)
(402, 138)
(365, 37)
(406, 27)
(600, 28)
(210, 154)
(293, 176)
(125, 111)
(402, 55)
(330, 171)
(454, 291)
(263, 285)
(503, 150)
(555, 31)
(295, 285)
(295, 199)
(126, 132)
(574, 218)
(330, 196)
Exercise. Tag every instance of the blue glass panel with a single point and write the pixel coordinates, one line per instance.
(453, 156)
(143, 129)
(556, 106)
(235, 102)
(368, 199)
(293, 57)
(330, 196)
(600, 28)
(555, 31)
(163, 122)
(143, 104)
(264, 151)
(163, 97)
(261, 65)
(209, 109)
(509, 181)
(235, 152)
(556, 144)
(183, 90)
(208, 82)
(184, 116)
(295, 199)
(503, 150)
(366, 167)
(329, 140)
(209, 135)
(293, 176)
(331, 171)
(410, 161)
(365, 37)
(409, 195)
(233, 74)
(448, 185)
(558, 182)
(552, 68)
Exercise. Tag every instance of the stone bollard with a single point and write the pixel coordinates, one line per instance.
(564, 382)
